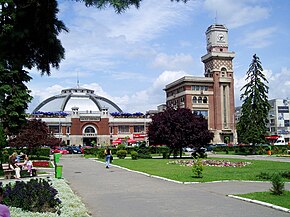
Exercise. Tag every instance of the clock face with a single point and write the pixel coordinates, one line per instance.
(221, 37)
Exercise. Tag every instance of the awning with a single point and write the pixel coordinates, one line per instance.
(131, 140)
(272, 137)
(117, 141)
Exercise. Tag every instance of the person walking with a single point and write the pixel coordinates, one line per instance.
(4, 210)
(108, 154)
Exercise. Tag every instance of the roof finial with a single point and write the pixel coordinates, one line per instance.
(215, 19)
(78, 82)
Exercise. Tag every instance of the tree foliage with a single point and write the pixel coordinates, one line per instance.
(119, 5)
(251, 127)
(33, 135)
(28, 38)
(179, 128)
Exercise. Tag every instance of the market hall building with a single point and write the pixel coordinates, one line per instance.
(80, 117)
(211, 95)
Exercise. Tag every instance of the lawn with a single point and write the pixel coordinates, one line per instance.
(279, 200)
(161, 167)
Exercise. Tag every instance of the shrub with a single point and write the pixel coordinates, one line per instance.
(285, 174)
(121, 147)
(134, 155)
(264, 175)
(144, 156)
(277, 185)
(165, 151)
(91, 151)
(197, 168)
(37, 195)
(121, 154)
(101, 153)
(34, 157)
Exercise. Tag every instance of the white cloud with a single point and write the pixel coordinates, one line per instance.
(237, 13)
(278, 83)
(173, 62)
(259, 38)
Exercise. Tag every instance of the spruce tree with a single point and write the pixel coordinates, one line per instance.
(251, 127)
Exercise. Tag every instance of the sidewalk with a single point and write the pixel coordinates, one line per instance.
(118, 192)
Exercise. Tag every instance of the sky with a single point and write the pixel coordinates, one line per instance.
(129, 58)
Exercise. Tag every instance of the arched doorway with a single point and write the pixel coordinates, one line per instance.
(89, 135)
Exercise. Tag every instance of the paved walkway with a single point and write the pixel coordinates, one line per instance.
(118, 192)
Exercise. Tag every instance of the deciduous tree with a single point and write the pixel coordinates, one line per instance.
(179, 128)
(251, 127)
(34, 134)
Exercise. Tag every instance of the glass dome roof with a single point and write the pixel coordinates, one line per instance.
(84, 99)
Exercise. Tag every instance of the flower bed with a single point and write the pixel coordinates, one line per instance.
(71, 204)
(211, 163)
(40, 163)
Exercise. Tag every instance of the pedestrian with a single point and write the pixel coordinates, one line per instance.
(108, 154)
(4, 210)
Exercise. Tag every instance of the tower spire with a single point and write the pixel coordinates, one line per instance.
(216, 19)
(78, 82)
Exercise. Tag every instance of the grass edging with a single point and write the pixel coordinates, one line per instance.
(261, 203)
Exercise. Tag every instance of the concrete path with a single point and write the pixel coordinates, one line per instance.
(117, 192)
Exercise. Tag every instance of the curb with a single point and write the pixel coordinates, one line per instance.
(261, 203)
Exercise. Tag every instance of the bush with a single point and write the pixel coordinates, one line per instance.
(277, 185)
(165, 151)
(264, 176)
(35, 157)
(144, 156)
(197, 168)
(91, 151)
(285, 174)
(37, 195)
(134, 155)
(101, 153)
(121, 147)
(121, 154)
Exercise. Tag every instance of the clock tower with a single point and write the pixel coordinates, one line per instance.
(219, 67)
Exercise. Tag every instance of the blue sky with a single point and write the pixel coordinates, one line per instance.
(130, 57)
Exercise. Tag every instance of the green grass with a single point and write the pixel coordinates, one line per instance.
(279, 200)
(160, 167)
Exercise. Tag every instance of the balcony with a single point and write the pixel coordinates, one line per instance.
(90, 135)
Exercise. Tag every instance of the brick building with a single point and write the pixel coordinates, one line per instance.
(211, 95)
(79, 117)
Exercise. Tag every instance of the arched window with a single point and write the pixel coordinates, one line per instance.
(90, 130)
(194, 100)
(204, 100)
(223, 71)
(200, 99)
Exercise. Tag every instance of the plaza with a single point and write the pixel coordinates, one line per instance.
(123, 193)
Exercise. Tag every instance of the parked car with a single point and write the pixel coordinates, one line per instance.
(60, 150)
(74, 150)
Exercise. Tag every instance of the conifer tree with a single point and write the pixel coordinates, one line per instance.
(251, 127)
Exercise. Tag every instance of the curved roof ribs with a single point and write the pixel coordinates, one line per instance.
(45, 102)
(92, 97)
(110, 102)
(65, 101)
